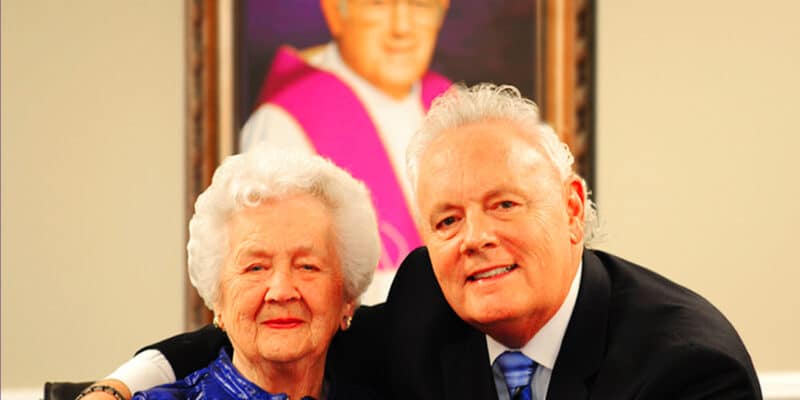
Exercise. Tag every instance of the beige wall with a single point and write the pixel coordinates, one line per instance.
(92, 184)
(698, 136)
(696, 127)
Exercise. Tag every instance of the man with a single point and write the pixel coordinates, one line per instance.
(506, 301)
(357, 101)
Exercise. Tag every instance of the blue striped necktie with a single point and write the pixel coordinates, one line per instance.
(518, 371)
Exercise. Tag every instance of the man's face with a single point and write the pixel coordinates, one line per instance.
(387, 42)
(503, 230)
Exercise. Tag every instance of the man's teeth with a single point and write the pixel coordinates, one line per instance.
(492, 272)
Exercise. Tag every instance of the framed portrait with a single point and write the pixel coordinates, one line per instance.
(543, 47)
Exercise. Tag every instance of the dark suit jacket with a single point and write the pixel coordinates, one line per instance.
(633, 334)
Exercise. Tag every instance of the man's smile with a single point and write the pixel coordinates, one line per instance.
(491, 272)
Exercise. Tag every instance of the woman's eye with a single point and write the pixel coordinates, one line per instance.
(255, 267)
(309, 267)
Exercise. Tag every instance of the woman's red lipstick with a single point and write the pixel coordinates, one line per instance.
(283, 323)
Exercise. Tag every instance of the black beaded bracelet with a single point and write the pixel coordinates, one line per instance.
(101, 388)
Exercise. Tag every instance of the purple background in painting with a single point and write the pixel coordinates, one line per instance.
(481, 40)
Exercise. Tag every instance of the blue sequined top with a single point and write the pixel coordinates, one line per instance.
(219, 381)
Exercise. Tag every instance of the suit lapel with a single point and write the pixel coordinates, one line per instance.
(432, 353)
(466, 370)
(584, 343)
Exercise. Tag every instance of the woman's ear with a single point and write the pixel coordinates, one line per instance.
(218, 320)
(347, 315)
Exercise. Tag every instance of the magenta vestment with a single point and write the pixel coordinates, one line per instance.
(339, 127)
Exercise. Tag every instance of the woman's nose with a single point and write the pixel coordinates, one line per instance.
(281, 287)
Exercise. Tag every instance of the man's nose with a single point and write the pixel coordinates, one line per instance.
(478, 235)
(401, 17)
(281, 286)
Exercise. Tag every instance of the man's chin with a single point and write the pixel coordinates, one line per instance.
(392, 84)
(489, 314)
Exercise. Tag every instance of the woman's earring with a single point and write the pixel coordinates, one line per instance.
(217, 323)
(348, 320)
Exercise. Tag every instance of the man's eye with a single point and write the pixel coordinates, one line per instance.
(255, 267)
(506, 204)
(446, 222)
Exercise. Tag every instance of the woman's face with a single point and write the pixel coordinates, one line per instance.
(281, 286)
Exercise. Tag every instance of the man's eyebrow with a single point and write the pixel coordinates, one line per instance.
(502, 190)
(494, 193)
(303, 250)
(439, 209)
(442, 207)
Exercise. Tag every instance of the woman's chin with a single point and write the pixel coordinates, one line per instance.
(282, 357)
(285, 351)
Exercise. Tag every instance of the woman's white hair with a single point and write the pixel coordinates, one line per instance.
(461, 105)
(246, 180)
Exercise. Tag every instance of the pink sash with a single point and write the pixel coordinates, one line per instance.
(340, 129)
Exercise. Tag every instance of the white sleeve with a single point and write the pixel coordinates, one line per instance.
(272, 124)
(145, 370)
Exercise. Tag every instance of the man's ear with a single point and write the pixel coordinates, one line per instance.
(576, 207)
(444, 5)
(333, 16)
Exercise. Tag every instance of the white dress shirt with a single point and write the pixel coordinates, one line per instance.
(542, 348)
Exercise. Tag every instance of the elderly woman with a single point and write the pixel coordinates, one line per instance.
(281, 247)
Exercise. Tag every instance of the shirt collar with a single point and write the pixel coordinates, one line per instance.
(544, 346)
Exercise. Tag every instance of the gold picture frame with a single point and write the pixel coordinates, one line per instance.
(564, 89)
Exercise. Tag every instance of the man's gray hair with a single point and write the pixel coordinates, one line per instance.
(461, 105)
(248, 179)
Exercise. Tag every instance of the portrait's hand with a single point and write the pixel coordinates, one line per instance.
(121, 387)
